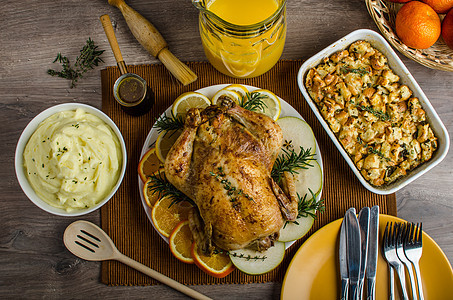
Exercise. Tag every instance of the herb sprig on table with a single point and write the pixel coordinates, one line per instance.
(89, 57)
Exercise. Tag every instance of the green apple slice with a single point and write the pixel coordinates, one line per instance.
(297, 133)
(310, 178)
(295, 230)
(255, 262)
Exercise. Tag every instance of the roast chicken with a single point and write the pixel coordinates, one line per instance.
(223, 161)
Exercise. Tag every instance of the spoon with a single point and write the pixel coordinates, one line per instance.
(88, 241)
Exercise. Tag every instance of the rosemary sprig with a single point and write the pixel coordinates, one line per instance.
(290, 161)
(89, 58)
(347, 69)
(165, 123)
(159, 184)
(253, 101)
(381, 115)
(309, 207)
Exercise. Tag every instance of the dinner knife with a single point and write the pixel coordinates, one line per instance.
(373, 234)
(354, 252)
(364, 223)
(342, 250)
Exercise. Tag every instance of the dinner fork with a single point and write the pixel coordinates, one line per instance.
(386, 250)
(402, 233)
(413, 250)
(392, 257)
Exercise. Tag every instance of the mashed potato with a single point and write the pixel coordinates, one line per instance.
(73, 160)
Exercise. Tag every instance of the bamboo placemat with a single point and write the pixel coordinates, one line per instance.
(124, 218)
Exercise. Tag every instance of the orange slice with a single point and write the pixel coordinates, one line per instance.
(166, 216)
(164, 142)
(150, 196)
(181, 242)
(149, 164)
(217, 265)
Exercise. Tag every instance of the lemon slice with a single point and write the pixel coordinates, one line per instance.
(187, 101)
(272, 107)
(238, 88)
(235, 96)
(164, 142)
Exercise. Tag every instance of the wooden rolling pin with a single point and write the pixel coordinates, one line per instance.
(152, 40)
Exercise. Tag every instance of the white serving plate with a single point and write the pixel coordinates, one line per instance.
(27, 133)
(395, 63)
(286, 111)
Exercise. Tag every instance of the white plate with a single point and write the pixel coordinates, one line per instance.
(377, 41)
(287, 111)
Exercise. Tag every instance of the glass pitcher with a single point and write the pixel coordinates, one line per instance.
(242, 51)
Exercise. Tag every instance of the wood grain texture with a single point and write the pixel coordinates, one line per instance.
(33, 260)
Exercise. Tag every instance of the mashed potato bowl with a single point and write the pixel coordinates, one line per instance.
(21, 171)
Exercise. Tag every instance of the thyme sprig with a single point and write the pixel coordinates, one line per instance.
(89, 57)
(166, 123)
(232, 191)
(380, 114)
(348, 69)
(160, 184)
(290, 161)
(241, 255)
(253, 101)
(372, 150)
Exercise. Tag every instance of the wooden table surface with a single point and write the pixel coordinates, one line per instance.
(33, 260)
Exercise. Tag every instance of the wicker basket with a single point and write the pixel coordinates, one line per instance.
(439, 56)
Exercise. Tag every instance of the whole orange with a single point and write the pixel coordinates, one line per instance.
(417, 25)
(447, 29)
(440, 6)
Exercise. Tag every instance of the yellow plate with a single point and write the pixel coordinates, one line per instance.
(314, 271)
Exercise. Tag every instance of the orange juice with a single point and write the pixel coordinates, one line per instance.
(243, 38)
(243, 12)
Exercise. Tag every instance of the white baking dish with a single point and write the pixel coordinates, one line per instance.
(406, 78)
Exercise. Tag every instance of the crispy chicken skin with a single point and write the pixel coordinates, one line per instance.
(223, 161)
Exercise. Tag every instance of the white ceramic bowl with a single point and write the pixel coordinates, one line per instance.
(377, 41)
(25, 136)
